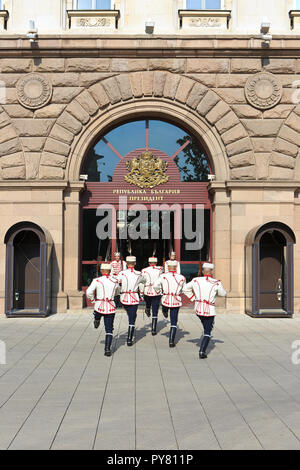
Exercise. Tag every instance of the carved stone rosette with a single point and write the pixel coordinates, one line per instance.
(263, 90)
(34, 91)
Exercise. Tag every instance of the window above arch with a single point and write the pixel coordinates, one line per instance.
(147, 134)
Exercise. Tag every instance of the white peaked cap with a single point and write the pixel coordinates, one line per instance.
(117, 253)
(208, 265)
(172, 263)
(152, 259)
(106, 266)
(173, 253)
(130, 259)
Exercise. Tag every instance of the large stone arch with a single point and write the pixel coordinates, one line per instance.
(156, 93)
(12, 160)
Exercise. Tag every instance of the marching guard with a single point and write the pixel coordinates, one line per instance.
(129, 280)
(117, 265)
(203, 290)
(172, 258)
(152, 297)
(171, 284)
(101, 292)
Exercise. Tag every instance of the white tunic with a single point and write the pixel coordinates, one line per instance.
(203, 290)
(117, 267)
(151, 274)
(167, 269)
(171, 285)
(102, 291)
(129, 281)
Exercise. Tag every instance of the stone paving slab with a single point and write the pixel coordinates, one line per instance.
(59, 391)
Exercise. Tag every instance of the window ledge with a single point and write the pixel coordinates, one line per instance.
(3, 19)
(295, 19)
(204, 19)
(90, 19)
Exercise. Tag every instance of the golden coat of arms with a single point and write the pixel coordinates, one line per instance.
(146, 171)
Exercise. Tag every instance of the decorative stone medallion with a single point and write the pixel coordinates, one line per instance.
(263, 90)
(34, 91)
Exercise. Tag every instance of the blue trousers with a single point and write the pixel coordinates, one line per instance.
(153, 301)
(208, 324)
(174, 315)
(108, 321)
(131, 312)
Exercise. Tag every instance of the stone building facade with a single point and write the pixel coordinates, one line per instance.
(236, 94)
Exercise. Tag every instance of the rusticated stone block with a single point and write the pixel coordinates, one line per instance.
(246, 172)
(53, 159)
(293, 121)
(112, 90)
(217, 112)
(171, 86)
(49, 64)
(99, 95)
(262, 165)
(244, 65)
(65, 79)
(33, 144)
(15, 159)
(14, 173)
(128, 65)
(9, 147)
(241, 146)
(207, 65)
(206, 79)
(32, 165)
(159, 83)
(7, 133)
(262, 127)
(172, 65)
(87, 102)
(237, 132)
(17, 111)
(88, 79)
(284, 65)
(288, 148)
(10, 79)
(50, 111)
(147, 79)
(290, 135)
(85, 64)
(183, 90)
(56, 146)
(69, 122)
(65, 94)
(207, 103)
(279, 159)
(60, 133)
(197, 93)
(246, 111)
(231, 95)
(33, 127)
(227, 122)
(262, 144)
(232, 80)
(16, 65)
(280, 173)
(4, 120)
(51, 173)
(136, 84)
(11, 96)
(78, 112)
(241, 159)
(125, 86)
(281, 111)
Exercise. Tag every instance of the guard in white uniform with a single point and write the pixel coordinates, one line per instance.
(152, 298)
(117, 265)
(171, 284)
(129, 280)
(203, 290)
(172, 258)
(102, 292)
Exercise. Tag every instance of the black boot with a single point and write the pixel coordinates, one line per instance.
(203, 347)
(165, 311)
(154, 326)
(108, 340)
(130, 336)
(172, 336)
(97, 319)
(148, 311)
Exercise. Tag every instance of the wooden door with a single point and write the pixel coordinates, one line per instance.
(272, 271)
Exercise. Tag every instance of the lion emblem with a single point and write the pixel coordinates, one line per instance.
(146, 171)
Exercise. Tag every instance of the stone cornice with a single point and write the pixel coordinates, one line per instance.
(76, 45)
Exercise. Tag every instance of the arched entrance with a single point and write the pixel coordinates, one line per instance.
(162, 168)
(28, 270)
(269, 270)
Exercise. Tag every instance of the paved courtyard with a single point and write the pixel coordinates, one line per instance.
(58, 391)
